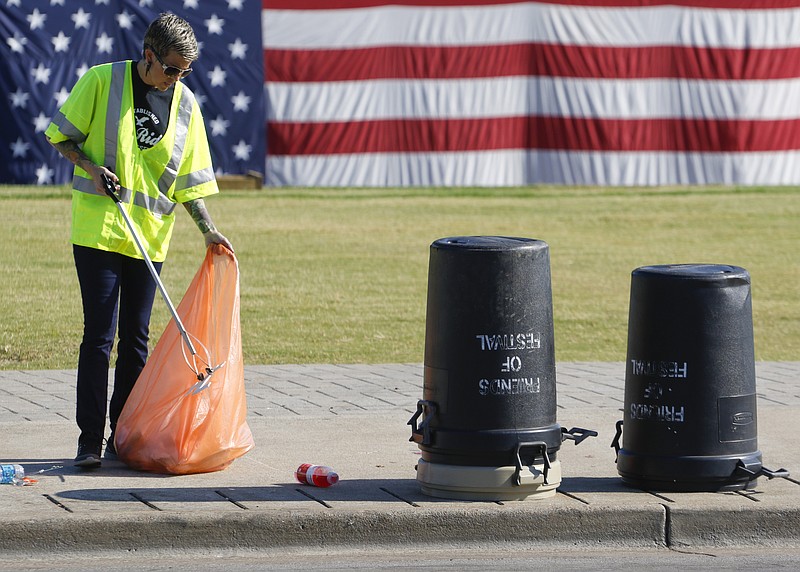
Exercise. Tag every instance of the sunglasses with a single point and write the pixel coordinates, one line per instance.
(171, 71)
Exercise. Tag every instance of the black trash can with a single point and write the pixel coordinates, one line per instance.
(690, 397)
(486, 425)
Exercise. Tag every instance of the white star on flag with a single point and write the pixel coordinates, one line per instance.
(105, 43)
(217, 76)
(235, 4)
(19, 148)
(241, 101)
(214, 24)
(190, 4)
(219, 126)
(61, 96)
(19, 98)
(44, 175)
(125, 20)
(238, 49)
(242, 150)
(17, 43)
(81, 19)
(61, 42)
(40, 122)
(41, 74)
(36, 19)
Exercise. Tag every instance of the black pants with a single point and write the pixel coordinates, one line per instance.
(114, 288)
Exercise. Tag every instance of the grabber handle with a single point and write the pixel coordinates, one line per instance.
(108, 187)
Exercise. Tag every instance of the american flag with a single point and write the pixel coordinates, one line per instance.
(443, 92)
(47, 44)
(504, 92)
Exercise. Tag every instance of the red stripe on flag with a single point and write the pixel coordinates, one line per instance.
(450, 62)
(558, 133)
(350, 4)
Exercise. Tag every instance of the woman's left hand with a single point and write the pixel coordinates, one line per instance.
(216, 237)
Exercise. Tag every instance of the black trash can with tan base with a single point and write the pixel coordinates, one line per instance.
(486, 425)
(690, 419)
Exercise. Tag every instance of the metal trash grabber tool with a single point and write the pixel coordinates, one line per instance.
(204, 375)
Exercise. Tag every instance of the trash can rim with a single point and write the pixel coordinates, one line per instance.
(698, 271)
(489, 243)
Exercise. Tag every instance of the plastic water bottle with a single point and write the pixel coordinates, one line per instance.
(12, 475)
(316, 475)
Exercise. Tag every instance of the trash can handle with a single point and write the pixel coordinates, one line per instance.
(615, 442)
(742, 468)
(542, 447)
(422, 434)
(577, 434)
(770, 474)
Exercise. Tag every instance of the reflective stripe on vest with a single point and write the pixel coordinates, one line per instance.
(190, 180)
(113, 111)
(67, 128)
(160, 206)
(181, 132)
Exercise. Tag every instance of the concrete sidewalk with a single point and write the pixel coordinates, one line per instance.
(353, 418)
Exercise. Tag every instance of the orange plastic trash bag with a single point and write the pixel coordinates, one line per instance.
(166, 427)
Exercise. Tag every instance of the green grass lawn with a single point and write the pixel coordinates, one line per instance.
(340, 276)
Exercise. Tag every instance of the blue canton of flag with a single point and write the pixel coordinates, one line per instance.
(48, 44)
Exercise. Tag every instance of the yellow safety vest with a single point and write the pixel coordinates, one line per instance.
(99, 116)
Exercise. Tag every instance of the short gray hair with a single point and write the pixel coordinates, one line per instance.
(168, 33)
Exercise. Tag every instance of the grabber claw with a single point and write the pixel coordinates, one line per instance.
(204, 379)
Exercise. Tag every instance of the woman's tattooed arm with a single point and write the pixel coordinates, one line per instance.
(74, 154)
(199, 213)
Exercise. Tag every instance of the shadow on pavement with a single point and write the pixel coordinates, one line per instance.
(350, 490)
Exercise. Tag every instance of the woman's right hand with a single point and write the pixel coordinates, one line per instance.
(97, 173)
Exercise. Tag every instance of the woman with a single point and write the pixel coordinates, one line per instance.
(136, 123)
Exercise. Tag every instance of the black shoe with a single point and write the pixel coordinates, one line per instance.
(88, 452)
(111, 450)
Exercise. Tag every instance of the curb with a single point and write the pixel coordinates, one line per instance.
(606, 526)
(641, 527)
(767, 526)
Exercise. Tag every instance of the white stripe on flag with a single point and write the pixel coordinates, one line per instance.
(519, 167)
(529, 22)
(514, 96)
